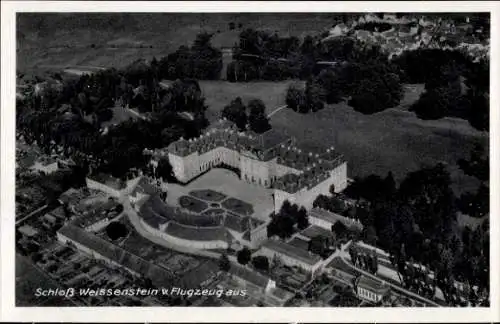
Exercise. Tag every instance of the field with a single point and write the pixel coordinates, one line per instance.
(48, 41)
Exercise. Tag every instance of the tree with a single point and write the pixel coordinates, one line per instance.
(371, 235)
(302, 219)
(244, 256)
(257, 119)
(236, 112)
(329, 81)
(339, 229)
(224, 263)
(104, 115)
(314, 96)
(164, 170)
(376, 93)
(390, 184)
(332, 189)
(261, 262)
(116, 230)
(295, 97)
(319, 245)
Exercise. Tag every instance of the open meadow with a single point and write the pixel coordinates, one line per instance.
(220, 93)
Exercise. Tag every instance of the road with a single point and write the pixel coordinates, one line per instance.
(276, 110)
(37, 211)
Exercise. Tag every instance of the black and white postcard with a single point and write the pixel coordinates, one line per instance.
(289, 162)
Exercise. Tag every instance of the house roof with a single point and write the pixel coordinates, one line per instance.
(71, 195)
(108, 180)
(249, 275)
(50, 218)
(28, 230)
(299, 243)
(292, 252)
(339, 264)
(325, 215)
(314, 230)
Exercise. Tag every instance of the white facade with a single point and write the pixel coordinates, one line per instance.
(369, 295)
(305, 197)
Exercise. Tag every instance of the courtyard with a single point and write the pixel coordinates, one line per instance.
(221, 188)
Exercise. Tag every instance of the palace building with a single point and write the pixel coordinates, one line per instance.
(271, 159)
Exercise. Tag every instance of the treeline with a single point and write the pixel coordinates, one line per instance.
(417, 222)
(455, 86)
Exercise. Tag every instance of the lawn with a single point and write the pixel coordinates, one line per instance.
(192, 204)
(237, 206)
(208, 195)
(220, 93)
(393, 140)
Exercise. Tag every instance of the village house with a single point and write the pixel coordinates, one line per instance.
(291, 256)
(370, 289)
(326, 219)
(246, 276)
(339, 269)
